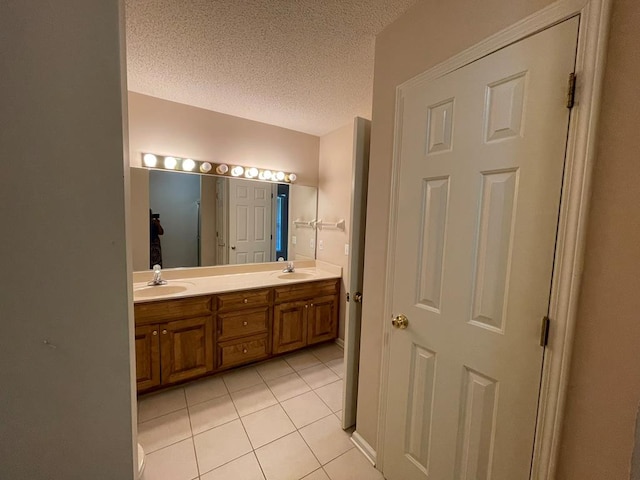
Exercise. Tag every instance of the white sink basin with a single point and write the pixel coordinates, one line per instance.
(161, 290)
(296, 276)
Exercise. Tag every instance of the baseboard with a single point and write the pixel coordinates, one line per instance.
(364, 447)
(340, 342)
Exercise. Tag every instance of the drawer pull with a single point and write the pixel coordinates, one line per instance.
(245, 350)
(245, 323)
(155, 332)
(246, 300)
(312, 304)
(164, 332)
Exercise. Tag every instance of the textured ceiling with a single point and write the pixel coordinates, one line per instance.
(306, 65)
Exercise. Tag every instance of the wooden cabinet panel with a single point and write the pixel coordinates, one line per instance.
(322, 319)
(167, 310)
(147, 357)
(289, 326)
(243, 323)
(300, 291)
(242, 351)
(186, 349)
(248, 298)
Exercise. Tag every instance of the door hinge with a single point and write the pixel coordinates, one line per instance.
(544, 331)
(571, 90)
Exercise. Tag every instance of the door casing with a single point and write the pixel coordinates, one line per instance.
(581, 147)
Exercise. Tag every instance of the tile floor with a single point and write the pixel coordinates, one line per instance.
(278, 420)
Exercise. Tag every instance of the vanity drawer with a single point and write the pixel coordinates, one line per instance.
(248, 298)
(243, 323)
(242, 351)
(300, 291)
(166, 310)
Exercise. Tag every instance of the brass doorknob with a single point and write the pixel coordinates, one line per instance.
(400, 322)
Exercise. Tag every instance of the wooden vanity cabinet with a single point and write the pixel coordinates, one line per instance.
(182, 339)
(243, 327)
(174, 341)
(305, 314)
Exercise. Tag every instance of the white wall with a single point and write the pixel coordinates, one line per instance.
(65, 408)
(170, 128)
(334, 203)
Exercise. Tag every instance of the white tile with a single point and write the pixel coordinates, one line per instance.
(163, 431)
(267, 425)
(337, 366)
(338, 415)
(288, 386)
(253, 399)
(331, 394)
(274, 369)
(352, 466)
(305, 409)
(327, 352)
(244, 468)
(288, 458)
(205, 389)
(220, 445)
(157, 404)
(176, 462)
(212, 413)
(302, 360)
(317, 475)
(243, 378)
(327, 439)
(318, 376)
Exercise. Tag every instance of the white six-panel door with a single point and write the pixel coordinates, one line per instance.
(481, 160)
(249, 221)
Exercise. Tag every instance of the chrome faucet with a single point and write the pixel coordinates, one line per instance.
(157, 276)
(289, 268)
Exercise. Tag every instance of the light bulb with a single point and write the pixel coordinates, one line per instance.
(237, 171)
(205, 167)
(292, 177)
(188, 165)
(279, 176)
(252, 172)
(170, 163)
(150, 160)
(267, 174)
(222, 169)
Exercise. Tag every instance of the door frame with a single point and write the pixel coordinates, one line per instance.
(574, 206)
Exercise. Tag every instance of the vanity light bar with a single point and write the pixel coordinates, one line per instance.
(161, 162)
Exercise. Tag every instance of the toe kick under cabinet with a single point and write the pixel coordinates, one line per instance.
(182, 339)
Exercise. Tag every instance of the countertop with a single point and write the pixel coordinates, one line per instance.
(214, 280)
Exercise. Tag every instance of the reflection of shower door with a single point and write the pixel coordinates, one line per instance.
(222, 220)
(249, 221)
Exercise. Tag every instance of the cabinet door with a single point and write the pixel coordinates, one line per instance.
(187, 348)
(147, 357)
(322, 319)
(289, 326)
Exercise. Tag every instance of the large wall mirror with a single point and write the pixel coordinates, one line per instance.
(205, 220)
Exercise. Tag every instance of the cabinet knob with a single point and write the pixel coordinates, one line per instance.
(244, 351)
(245, 323)
(246, 300)
(164, 332)
(306, 306)
(312, 304)
(155, 332)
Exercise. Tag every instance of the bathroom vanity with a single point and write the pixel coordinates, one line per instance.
(197, 326)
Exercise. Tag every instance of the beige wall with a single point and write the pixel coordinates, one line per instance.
(66, 409)
(139, 210)
(303, 206)
(169, 128)
(334, 202)
(605, 383)
(605, 377)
